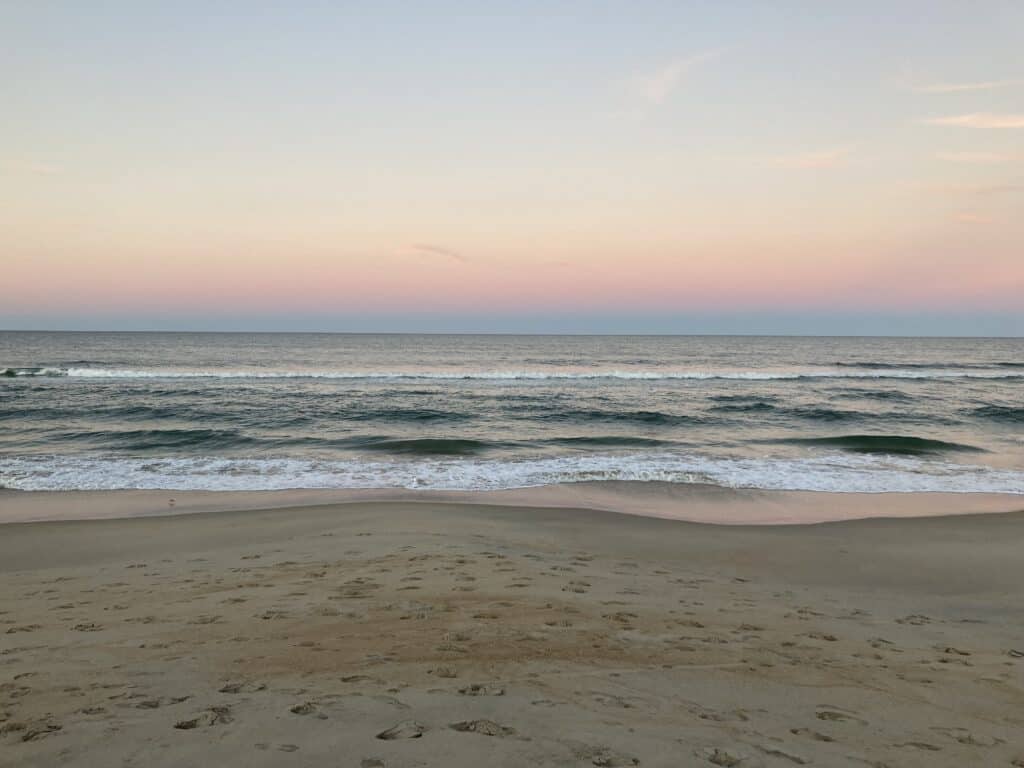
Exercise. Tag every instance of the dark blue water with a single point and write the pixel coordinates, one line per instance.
(255, 411)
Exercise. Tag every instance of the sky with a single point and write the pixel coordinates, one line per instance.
(593, 166)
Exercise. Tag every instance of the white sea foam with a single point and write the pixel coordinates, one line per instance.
(829, 472)
(514, 375)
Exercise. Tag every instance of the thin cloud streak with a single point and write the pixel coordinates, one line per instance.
(988, 85)
(422, 249)
(980, 120)
(981, 190)
(979, 158)
(656, 87)
(34, 167)
(826, 158)
(973, 218)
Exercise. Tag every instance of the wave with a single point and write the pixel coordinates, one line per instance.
(606, 441)
(112, 412)
(403, 414)
(885, 444)
(903, 372)
(162, 439)
(741, 398)
(741, 404)
(140, 440)
(14, 371)
(939, 366)
(825, 414)
(833, 473)
(836, 415)
(876, 394)
(650, 418)
(424, 446)
(1006, 413)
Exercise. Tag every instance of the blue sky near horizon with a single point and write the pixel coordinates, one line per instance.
(649, 166)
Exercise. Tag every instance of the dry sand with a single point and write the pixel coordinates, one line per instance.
(414, 634)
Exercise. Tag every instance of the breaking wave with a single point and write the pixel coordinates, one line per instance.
(838, 472)
(875, 372)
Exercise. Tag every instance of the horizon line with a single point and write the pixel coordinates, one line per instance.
(524, 333)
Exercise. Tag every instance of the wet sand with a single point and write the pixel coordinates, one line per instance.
(401, 633)
(695, 503)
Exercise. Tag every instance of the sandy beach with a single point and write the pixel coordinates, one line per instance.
(401, 633)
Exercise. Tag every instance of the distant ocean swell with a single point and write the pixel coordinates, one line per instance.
(874, 372)
(845, 472)
(532, 411)
(204, 439)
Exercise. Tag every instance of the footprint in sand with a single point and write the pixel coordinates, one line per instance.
(613, 700)
(919, 745)
(160, 702)
(485, 689)
(604, 757)
(810, 734)
(483, 727)
(963, 736)
(837, 716)
(722, 758)
(213, 716)
(31, 731)
(360, 679)
(736, 716)
(621, 617)
(23, 628)
(771, 751)
(407, 729)
(242, 687)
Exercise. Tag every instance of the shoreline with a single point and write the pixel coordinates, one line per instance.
(694, 503)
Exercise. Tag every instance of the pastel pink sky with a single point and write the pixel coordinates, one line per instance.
(338, 162)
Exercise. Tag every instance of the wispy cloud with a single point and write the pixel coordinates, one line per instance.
(656, 87)
(825, 158)
(963, 188)
(986, 85)
(973, 218)
(978, 158)
(422, 249)
(980, 120)
(45, 169)
(34, 167)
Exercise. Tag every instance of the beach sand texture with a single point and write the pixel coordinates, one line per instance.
(422, 634)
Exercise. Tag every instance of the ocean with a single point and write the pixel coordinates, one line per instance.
(238, 411)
